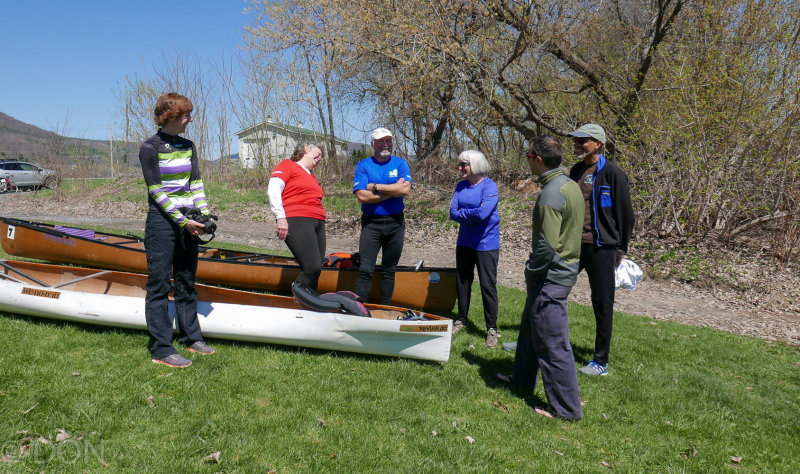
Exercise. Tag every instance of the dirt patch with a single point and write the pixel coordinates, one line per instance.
(766, 308)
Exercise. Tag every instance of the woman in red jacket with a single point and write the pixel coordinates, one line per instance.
(295, 198)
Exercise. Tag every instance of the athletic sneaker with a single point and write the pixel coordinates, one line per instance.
(201, 347)
(174, 360)
(491, 338)
(458, 325)
(593, 368)
(510, 346)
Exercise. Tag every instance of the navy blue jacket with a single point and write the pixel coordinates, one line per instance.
(610, 203)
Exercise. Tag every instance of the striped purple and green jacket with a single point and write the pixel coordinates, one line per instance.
(172, 175)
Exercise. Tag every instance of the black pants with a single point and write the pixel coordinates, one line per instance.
(170, 251)
(378, 233)
(306, 240)
(486, 261)
(599, 263)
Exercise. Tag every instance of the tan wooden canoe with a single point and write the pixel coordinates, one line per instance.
(428, 289)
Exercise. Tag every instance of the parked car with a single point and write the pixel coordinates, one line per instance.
(26, 175)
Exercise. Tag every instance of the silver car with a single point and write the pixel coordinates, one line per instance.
(26, 175)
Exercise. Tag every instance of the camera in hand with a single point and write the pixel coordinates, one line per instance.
(209, 221)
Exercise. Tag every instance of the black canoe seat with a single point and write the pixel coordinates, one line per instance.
(345, 302)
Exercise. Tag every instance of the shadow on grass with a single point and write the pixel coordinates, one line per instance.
(471, 329)
(508, 327)
(60, 323)
(286, 349)
(582, 354)
(488, 369)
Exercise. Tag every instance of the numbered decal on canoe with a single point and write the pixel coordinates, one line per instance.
(11, 230)
(420, 328)
(41, 293)
(434, 277)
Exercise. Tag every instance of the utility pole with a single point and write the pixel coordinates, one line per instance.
(127, 129)
(111, 151)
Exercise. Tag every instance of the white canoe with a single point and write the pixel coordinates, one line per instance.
(117, 299)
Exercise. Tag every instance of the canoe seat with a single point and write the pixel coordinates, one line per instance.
(209, 253)
(85, 233)
(345, 302)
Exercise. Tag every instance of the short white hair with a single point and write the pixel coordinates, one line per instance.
(477, 161)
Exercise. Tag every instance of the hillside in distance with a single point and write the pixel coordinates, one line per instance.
(22, 141)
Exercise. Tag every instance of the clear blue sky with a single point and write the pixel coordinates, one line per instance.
(63, 57)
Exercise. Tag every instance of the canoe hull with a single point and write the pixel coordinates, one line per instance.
(429, 289)
(428, 339)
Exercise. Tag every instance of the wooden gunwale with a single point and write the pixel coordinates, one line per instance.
(430, 289)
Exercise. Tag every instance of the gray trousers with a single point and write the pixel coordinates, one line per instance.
(543, 346)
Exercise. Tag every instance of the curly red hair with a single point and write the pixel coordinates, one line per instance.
(171, 106)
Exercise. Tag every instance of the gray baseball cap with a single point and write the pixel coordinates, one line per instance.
(590, 130)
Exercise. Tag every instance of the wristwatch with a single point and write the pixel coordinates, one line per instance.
(375, 188)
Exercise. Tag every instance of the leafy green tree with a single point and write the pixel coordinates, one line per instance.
(699, 99)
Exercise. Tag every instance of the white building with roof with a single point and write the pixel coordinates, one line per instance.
(270, 142)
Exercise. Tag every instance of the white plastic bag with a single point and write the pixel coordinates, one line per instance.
(628, 275)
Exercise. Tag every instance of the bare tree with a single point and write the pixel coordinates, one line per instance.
(253, 102)
(299, 40)
(182, 73)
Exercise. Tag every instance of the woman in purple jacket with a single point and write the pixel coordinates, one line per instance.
(474, 207)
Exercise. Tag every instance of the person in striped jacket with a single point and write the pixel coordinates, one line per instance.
(174, 189)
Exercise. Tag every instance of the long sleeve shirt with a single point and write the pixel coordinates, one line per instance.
(294, 191)
(172, 174)
(557, 222)
(474, 207)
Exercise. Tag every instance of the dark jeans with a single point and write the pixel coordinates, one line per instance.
(543, 345)
(306, 240)
(169, 250)
(599, 263)
(385, 233)
(486, 261)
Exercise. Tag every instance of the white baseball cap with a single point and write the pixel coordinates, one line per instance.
(380, 133)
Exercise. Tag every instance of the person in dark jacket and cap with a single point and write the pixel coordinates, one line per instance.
(607, 227)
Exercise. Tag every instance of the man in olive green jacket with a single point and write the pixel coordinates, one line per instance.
(550, 273)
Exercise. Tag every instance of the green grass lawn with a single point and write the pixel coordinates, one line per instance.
(678, 398)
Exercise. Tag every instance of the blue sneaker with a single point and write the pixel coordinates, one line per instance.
(510, 346)
(593, 368)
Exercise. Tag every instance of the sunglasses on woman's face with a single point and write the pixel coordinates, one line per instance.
(463, 164)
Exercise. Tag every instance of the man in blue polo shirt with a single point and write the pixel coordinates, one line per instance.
(380, 184)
